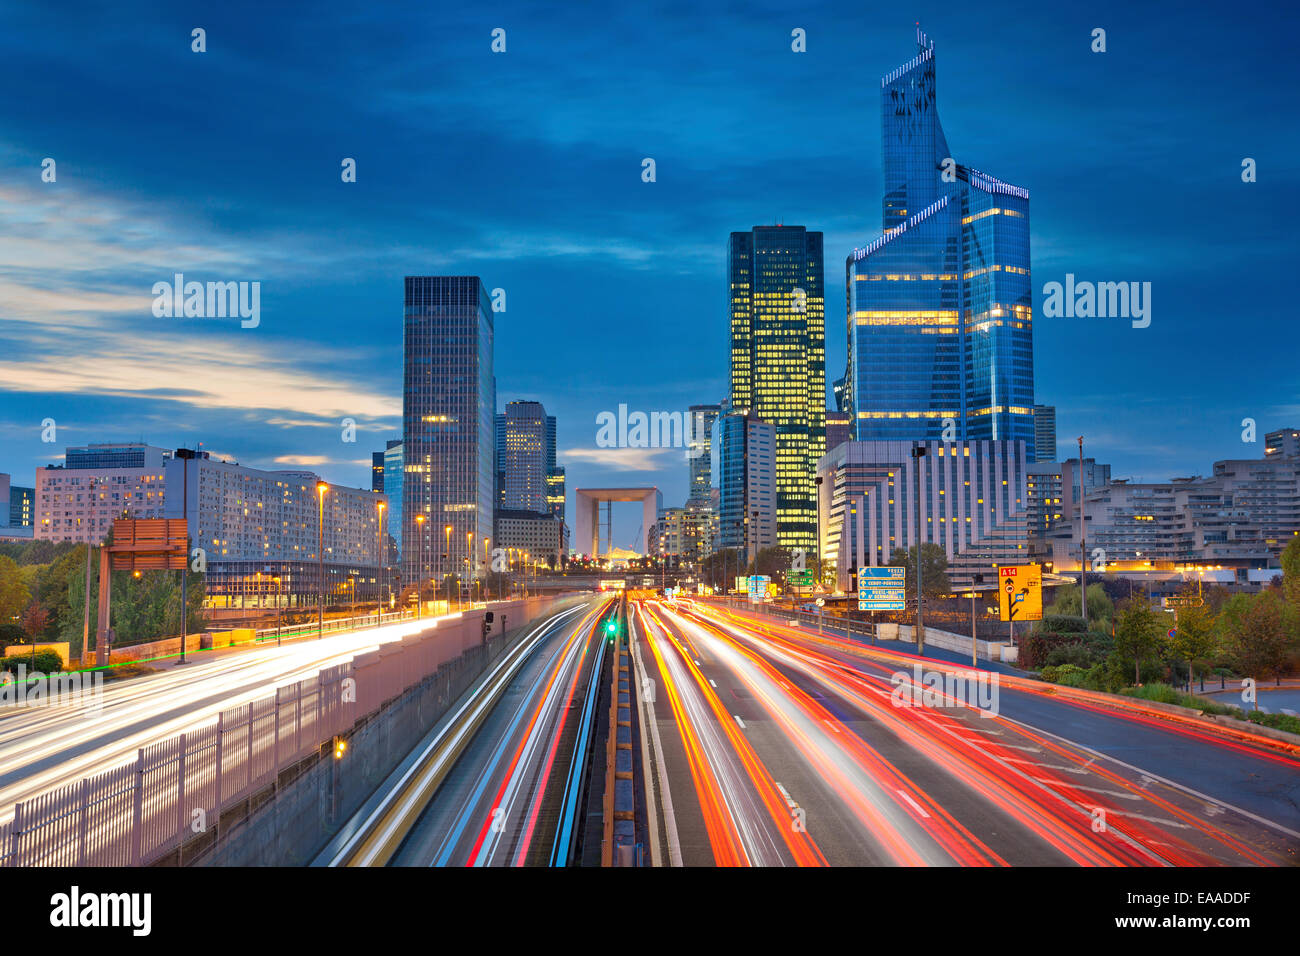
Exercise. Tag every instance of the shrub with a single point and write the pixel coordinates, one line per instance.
(1064, 624)
(1276, 721)
(47, 662)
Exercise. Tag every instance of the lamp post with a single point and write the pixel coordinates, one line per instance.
(278, 609)
(85, 626)
(446, 554)
(321, 488)
(1083, 546)
(918, 452)
(974, 658)
(469, 567)
(819, 533)
(379, 578)
(419, 571)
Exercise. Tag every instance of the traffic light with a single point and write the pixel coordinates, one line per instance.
(611, 629)
(340, 747)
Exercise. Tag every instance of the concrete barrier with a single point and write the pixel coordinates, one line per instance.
(25, 650)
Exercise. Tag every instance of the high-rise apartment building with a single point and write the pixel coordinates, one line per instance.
(1283, 443)
(940, 305)
(394, 479)
(778, 360)
(79, 500)
(258, 526)
(448, 401)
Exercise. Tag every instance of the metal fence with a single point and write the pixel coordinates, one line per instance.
(176, 788)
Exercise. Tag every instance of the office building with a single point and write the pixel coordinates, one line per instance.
(778, 359)
(699, 451)
(1045, 433)
(940, 305)
(79, 500)
(973, 496)
(839, 428)
(17, 505)
(555, 493)
(525, 455)
(748, 492)
(541, 536)
(448, 401)
(394, 479)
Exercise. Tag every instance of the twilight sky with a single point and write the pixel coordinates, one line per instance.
(525, 168)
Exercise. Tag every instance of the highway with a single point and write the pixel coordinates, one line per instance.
(780, 747)
(501, 783)
(500, 804)
(42, 747)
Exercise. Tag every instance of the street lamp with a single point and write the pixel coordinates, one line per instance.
(918, 452)
(379, 558)
(469, 567)
(321, 488)
(419, 573)
(446, 553)
(277, 610)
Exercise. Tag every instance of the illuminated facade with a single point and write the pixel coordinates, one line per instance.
(748, 495)
(939, 306)
(700, 453)
(255, 526)
(973, 504)
(524, 455)
(448, 400)
(78, 500)
(778, 360)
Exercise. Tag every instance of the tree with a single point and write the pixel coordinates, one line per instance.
(14, 595)
(34, 620)
(1259, 639)
(1291, 573)
(1138, 632)
(934, 570)
(1100, 607)
(1195, 640)
(773, 562)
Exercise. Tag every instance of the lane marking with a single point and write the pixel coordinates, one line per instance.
(739, 721)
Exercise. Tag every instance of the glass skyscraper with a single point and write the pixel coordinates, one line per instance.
(778, 360)
(939, 306)
(448, 399)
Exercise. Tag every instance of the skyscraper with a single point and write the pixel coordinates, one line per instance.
(448, 399)
(1045, 433)
(525, 456)
(778, 360)
(747, 476)
(939, 306)
(700, 452)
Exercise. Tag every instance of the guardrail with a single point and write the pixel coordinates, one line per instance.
(176, 789)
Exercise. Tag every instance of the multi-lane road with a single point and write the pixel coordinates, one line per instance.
(776, 746)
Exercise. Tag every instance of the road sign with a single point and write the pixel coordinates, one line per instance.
(758, 588)
(1020, 593)
(821, 602)
(1173, 632)
(881, 589)
(800, 578)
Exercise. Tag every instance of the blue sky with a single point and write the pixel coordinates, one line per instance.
(524, 168)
